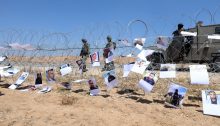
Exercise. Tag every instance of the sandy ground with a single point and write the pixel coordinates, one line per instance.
(31, 109)
(122, 106)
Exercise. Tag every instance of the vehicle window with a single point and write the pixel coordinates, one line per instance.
(217, 30)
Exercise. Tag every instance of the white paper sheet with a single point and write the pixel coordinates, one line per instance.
(185, 33)
(199, 74)
(168, 71)
(144, 53)
(65, 69)
(140, 66)
(127, 69)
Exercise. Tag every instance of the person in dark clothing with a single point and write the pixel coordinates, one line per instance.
(84, 53)
(174, 51)
(175, 98)
(110, 46)
(38, 79)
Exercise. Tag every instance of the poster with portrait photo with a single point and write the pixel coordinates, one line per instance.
(199, 74)
(139, 43)
(50, 75)
(80, 65)
(93, 87)
(162, 42)
(110, 79)
(211, 102)
(148, 82)
(168, 71)
(20, 80)
(94, 58)
(175, 95)
(140, 66)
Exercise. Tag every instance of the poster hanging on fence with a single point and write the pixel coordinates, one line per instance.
(211, 102)
(139, 43)
(94, 58)
(110, 57)
(93, 87)
(144, 53)
(20, 80)
(175, 95)
(65, 69)
(147, 84)
(50, 75)
(199, 74)
(140, 66)
(168, 71)
(110, 79)
(162, 42)
(127, 69)
(2, 58)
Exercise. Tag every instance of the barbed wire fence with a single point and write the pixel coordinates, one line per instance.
(56, 48)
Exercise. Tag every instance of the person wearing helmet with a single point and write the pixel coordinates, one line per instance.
(84, 53)
(108, 50)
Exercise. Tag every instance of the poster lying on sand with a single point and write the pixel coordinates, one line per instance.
(20, 80)
(211, 102)
(175, 95)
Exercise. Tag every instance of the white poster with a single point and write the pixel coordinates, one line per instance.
(168, 71)
(127, 69)
(65, 69)
(199, 74)
(20, 80)
(211, 102)
(144, 53)
(140, 66)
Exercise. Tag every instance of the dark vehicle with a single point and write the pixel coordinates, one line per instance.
(195, 49)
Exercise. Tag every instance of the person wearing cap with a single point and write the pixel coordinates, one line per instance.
(110, 46)
(84, 53)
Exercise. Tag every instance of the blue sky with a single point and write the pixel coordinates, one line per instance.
(94, 19)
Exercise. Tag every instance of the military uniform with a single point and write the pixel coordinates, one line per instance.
(85, 51)
(109, 47)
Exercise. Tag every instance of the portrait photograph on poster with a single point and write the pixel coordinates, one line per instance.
(211, 102)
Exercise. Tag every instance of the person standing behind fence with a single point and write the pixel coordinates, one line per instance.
(174, 51)
(84, 53)
(110, 46)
